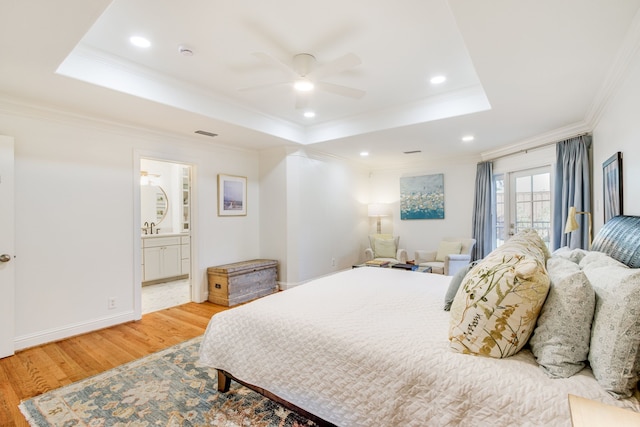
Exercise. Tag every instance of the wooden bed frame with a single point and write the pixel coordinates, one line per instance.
(618, 238)
(224, 382)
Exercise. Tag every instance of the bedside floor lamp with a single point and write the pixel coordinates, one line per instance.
(378, 210)
(572, 224)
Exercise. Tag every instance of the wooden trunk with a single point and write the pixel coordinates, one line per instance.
(232, 284)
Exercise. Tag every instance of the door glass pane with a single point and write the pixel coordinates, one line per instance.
(533, 204)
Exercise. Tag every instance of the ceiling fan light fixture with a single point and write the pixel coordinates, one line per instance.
(303, 85)
(140, 41)
(436, 80)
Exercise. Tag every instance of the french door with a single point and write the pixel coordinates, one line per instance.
(523, 200)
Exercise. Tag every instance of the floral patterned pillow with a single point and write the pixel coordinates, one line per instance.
(496, 308)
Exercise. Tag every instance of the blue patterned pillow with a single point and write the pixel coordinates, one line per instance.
(560, 341)
(456, 280)
(614, 354)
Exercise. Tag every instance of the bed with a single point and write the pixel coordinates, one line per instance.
(372, 346)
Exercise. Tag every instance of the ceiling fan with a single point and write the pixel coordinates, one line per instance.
(305, 74)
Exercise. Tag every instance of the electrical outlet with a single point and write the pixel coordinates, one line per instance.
(333, 262)
(111, 303)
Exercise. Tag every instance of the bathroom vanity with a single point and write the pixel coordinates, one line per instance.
(165, 257)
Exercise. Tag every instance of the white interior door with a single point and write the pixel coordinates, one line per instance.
(7, 247)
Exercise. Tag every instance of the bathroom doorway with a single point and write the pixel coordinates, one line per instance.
(165, 210)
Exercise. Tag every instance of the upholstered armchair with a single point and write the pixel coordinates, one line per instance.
(451, 256)
(384, 247)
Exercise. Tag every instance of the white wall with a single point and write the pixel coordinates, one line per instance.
(273, 208)
(459, 191)
(619, 130)
(313, 213)
(327, 214)
(77, 235)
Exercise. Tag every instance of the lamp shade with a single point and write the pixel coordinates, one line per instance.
(378, 209)
(572, 224)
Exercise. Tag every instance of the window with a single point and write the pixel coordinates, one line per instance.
(522, 200)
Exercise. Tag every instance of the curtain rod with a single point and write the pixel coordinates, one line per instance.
(536, 147)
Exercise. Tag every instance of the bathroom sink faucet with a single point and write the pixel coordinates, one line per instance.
(145, 227)
(152, 225)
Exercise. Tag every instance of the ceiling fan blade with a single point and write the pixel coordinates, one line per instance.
(285, 68)
(263, 86)
(336, 66)
(349, 92)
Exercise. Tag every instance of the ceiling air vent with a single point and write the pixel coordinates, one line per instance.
(205, 133)
(413, 152)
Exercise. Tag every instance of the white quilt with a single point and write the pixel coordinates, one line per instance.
(369, 347)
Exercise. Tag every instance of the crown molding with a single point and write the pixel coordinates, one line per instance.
(617, 73)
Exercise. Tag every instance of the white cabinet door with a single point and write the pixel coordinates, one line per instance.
(171, 262)
(161, 262)
(152, 263)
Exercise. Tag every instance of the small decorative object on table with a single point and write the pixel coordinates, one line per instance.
(410, 267)
(377, 263)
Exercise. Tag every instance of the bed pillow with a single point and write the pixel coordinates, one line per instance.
(573, 255)
(496, 308)
(384, 248)
(456, 280)
(614, 353)
(599, 259)
(560, 341)
(445, 248)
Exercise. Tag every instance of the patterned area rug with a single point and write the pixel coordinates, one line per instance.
(168, 388)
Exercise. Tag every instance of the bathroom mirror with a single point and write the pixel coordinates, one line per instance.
(153, 204)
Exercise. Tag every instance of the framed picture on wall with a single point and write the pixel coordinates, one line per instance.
(612, 186)
(232, 195)
(422, 197)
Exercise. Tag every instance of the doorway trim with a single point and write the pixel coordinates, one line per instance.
(138, 155)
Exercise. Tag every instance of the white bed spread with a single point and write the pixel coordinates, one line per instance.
(369, 347)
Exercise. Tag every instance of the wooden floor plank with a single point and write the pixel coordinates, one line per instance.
(39, 369)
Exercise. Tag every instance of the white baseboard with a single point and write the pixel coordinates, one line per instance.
(283, 286)
(51, 335)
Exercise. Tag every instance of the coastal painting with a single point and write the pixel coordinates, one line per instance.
(232, 195)
(422, 197)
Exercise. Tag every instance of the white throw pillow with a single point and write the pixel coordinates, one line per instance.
(385, 248)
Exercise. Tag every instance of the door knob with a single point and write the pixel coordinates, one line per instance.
(5, 258)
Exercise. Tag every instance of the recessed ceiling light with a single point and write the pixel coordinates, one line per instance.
(309, 114)
(468, 138)
(364, 153)
(140, 41)
(436, 80)
(303, 85)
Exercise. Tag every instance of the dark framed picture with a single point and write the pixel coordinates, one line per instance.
(232, 195)
(612, 186)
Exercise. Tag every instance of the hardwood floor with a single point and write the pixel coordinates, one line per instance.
(39, 369)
